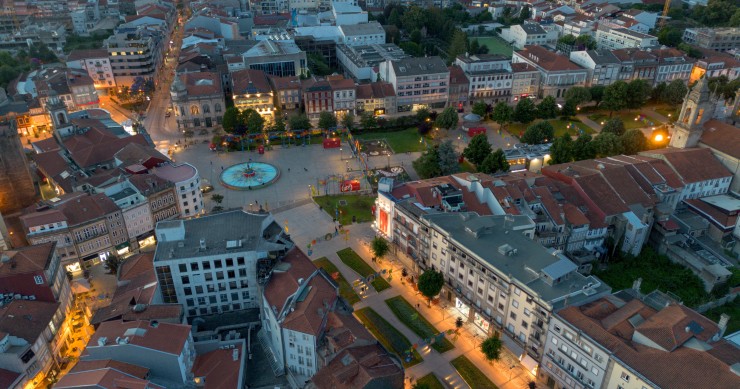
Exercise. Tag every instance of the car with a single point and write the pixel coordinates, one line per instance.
(206, 188)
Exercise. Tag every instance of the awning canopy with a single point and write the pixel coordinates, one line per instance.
(529, 363)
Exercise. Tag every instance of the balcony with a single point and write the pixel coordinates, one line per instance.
(580, 380)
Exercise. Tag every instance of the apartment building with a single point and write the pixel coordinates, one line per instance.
(490, 76)
(673, 64)
(377, 97)
(529, 34)
(361, 62)
(557, 72)
(343, 95)
(74, 87)
(459, 89)
(603, 66)
(628, 340)
(198, 100)
(579, 25)
(277, 58)
(363, 34)
(622, 38)
(419, 82)
(251, 90)
(287, 92)
(135, 55)
(317, 97)
(186, 181)
(720, 39)
(213, 264)
(96, 63)
(715, 66)
(514, 287)
(525, 80)
(636, 64)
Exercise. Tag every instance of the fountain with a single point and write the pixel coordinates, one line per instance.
(249, 175)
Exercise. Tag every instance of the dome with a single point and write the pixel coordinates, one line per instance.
(471, 117)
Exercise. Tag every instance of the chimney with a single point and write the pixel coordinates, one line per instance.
(723, 320)
(636, 285)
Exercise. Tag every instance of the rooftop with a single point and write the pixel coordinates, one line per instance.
(165, 337)
(692, 165)
(221, 368)
(27, 319)
(419, 66)
(30, 259)
(362, 29)
(361, 367)
(722, 137)
(249, 81)
(175, 173)
(268, 48)
(547, 60)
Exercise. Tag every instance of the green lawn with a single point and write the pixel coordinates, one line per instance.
(666, 110)
(387, 335)
(471, 374)
(495, 45)
(732, 309)
(560, 126)
(400, 141)
(357, 206)
(627, 117)
(345, 289)
(354, 261)
(416, 322)
(430, 381)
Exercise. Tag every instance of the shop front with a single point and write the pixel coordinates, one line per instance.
(146, 240)
(482, 322)
(463, 308)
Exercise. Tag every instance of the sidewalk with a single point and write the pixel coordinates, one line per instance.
(308, 222)
(585, 120)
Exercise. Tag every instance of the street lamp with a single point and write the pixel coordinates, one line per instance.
(341, 155)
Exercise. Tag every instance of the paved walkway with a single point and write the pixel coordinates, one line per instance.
(585, 120)
(308, 222)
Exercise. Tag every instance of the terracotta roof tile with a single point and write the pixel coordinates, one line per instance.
(165, 337)
(547, 59)
(27, 319)
(27, 259)
(693, 165)
(722, 137)
(361, 367)
(219, 368)
(249, 81)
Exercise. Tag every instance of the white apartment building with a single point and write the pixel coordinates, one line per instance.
(623, 38)
(364, 34)
(490, 76)
(578, 25)
(343, 95)
(527, 34)
(498, 278)
(187, 186)
(96, 63)
(135, 209)
(557, 72)
(419, 82)
(602, 66)
(673, 64)
(212, 264)
(296, 301)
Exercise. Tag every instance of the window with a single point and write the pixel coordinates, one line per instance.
(183, 268)
(515, 304)
(625, 377)
(194, 110)
(188, 291)
(594, 370)
(512, 315)
(526, 312)
(185, 279)
(38, 280)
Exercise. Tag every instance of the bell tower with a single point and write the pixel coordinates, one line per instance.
(697, 109)
(59, 115)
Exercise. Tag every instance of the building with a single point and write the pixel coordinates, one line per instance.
(276, 58)
(364, 34)
(28, 333)
(377, 97)
(361, 62)
(198, 100)
(317, 97)
(673, 64)
(96, 63)
(343, 95)
(528, 34)
(557, 72)
(251, 90)
(186, 182)
(348, 13)
(213, 264)
(695, 112)
(715, 66)
(627, 340)
(135, 55)
(86, 228)
(459, 89)
(490, 76)
(720, 39)
(525, 81)
(166, 349)
(105, 374)
(287, 92)
(419, 82)
(16, 185)
(623, 38)
(603, 66)
(74, 87)
(636, 64)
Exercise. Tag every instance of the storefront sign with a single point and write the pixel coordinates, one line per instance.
(350, 186)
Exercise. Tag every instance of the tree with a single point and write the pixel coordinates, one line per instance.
(427, 165)
(447, 119)
(547, 108)
(367, 120)
(413, 49)
(474, 46)
(578, 95)
(607, 144)
(570, 108)
(217, 198)
(478, 149)
(318, 65)
(188, 134)
(494, 162)
(423, 114)
(299, 122)
(447, 159)
(674, 93)
(459, 322)
(638, 92)
(583, 149)
(379, 247)
(491, 348)
(112, 263)
(670, 36)
(538, 133)
(633, 141)
(458, 45)
(430, 283)
(691, 51)
(254, 122)
(585, 42)
(279, 123)
(480, 108)
(217, 208)
(597, 93)
(395, 18)
(502, 113)
(424, 128)
(415, 36)
(525, 111)
(615, 126)
(327, 120)
(561, 150)
(615, 97)
(231, 120)
(525, 14)
(412, 19)
(348, 121)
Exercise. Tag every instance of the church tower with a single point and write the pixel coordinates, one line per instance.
(697, 109)
(59, 115)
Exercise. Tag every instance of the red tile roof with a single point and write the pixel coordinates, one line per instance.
(76, 55)
(375, 90)
(106, 378)
(548, 60)
(136, 265)
(692, 165)
(47, 144)
(220, 369)
(361, 367)
(165, 337)
(123, 367)
(457, 76)
(714, 215)
(722, 137)
(202, 83)
(96, 145)
(27, 319)
(244, 80)
(30, 259)
(8, 378)
(285, 83)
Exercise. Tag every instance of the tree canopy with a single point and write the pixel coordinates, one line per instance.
(547, 108)
(430, 283)
(561, 150)
(494, 162)
(491, 348)
(379, 247)
(299, 122)
(614, 125)
(327, 120)
(478, 149)
(447, 119)
(541, 132)
(447, 159)
(502, 113)
(525, 111)
(427, 165)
